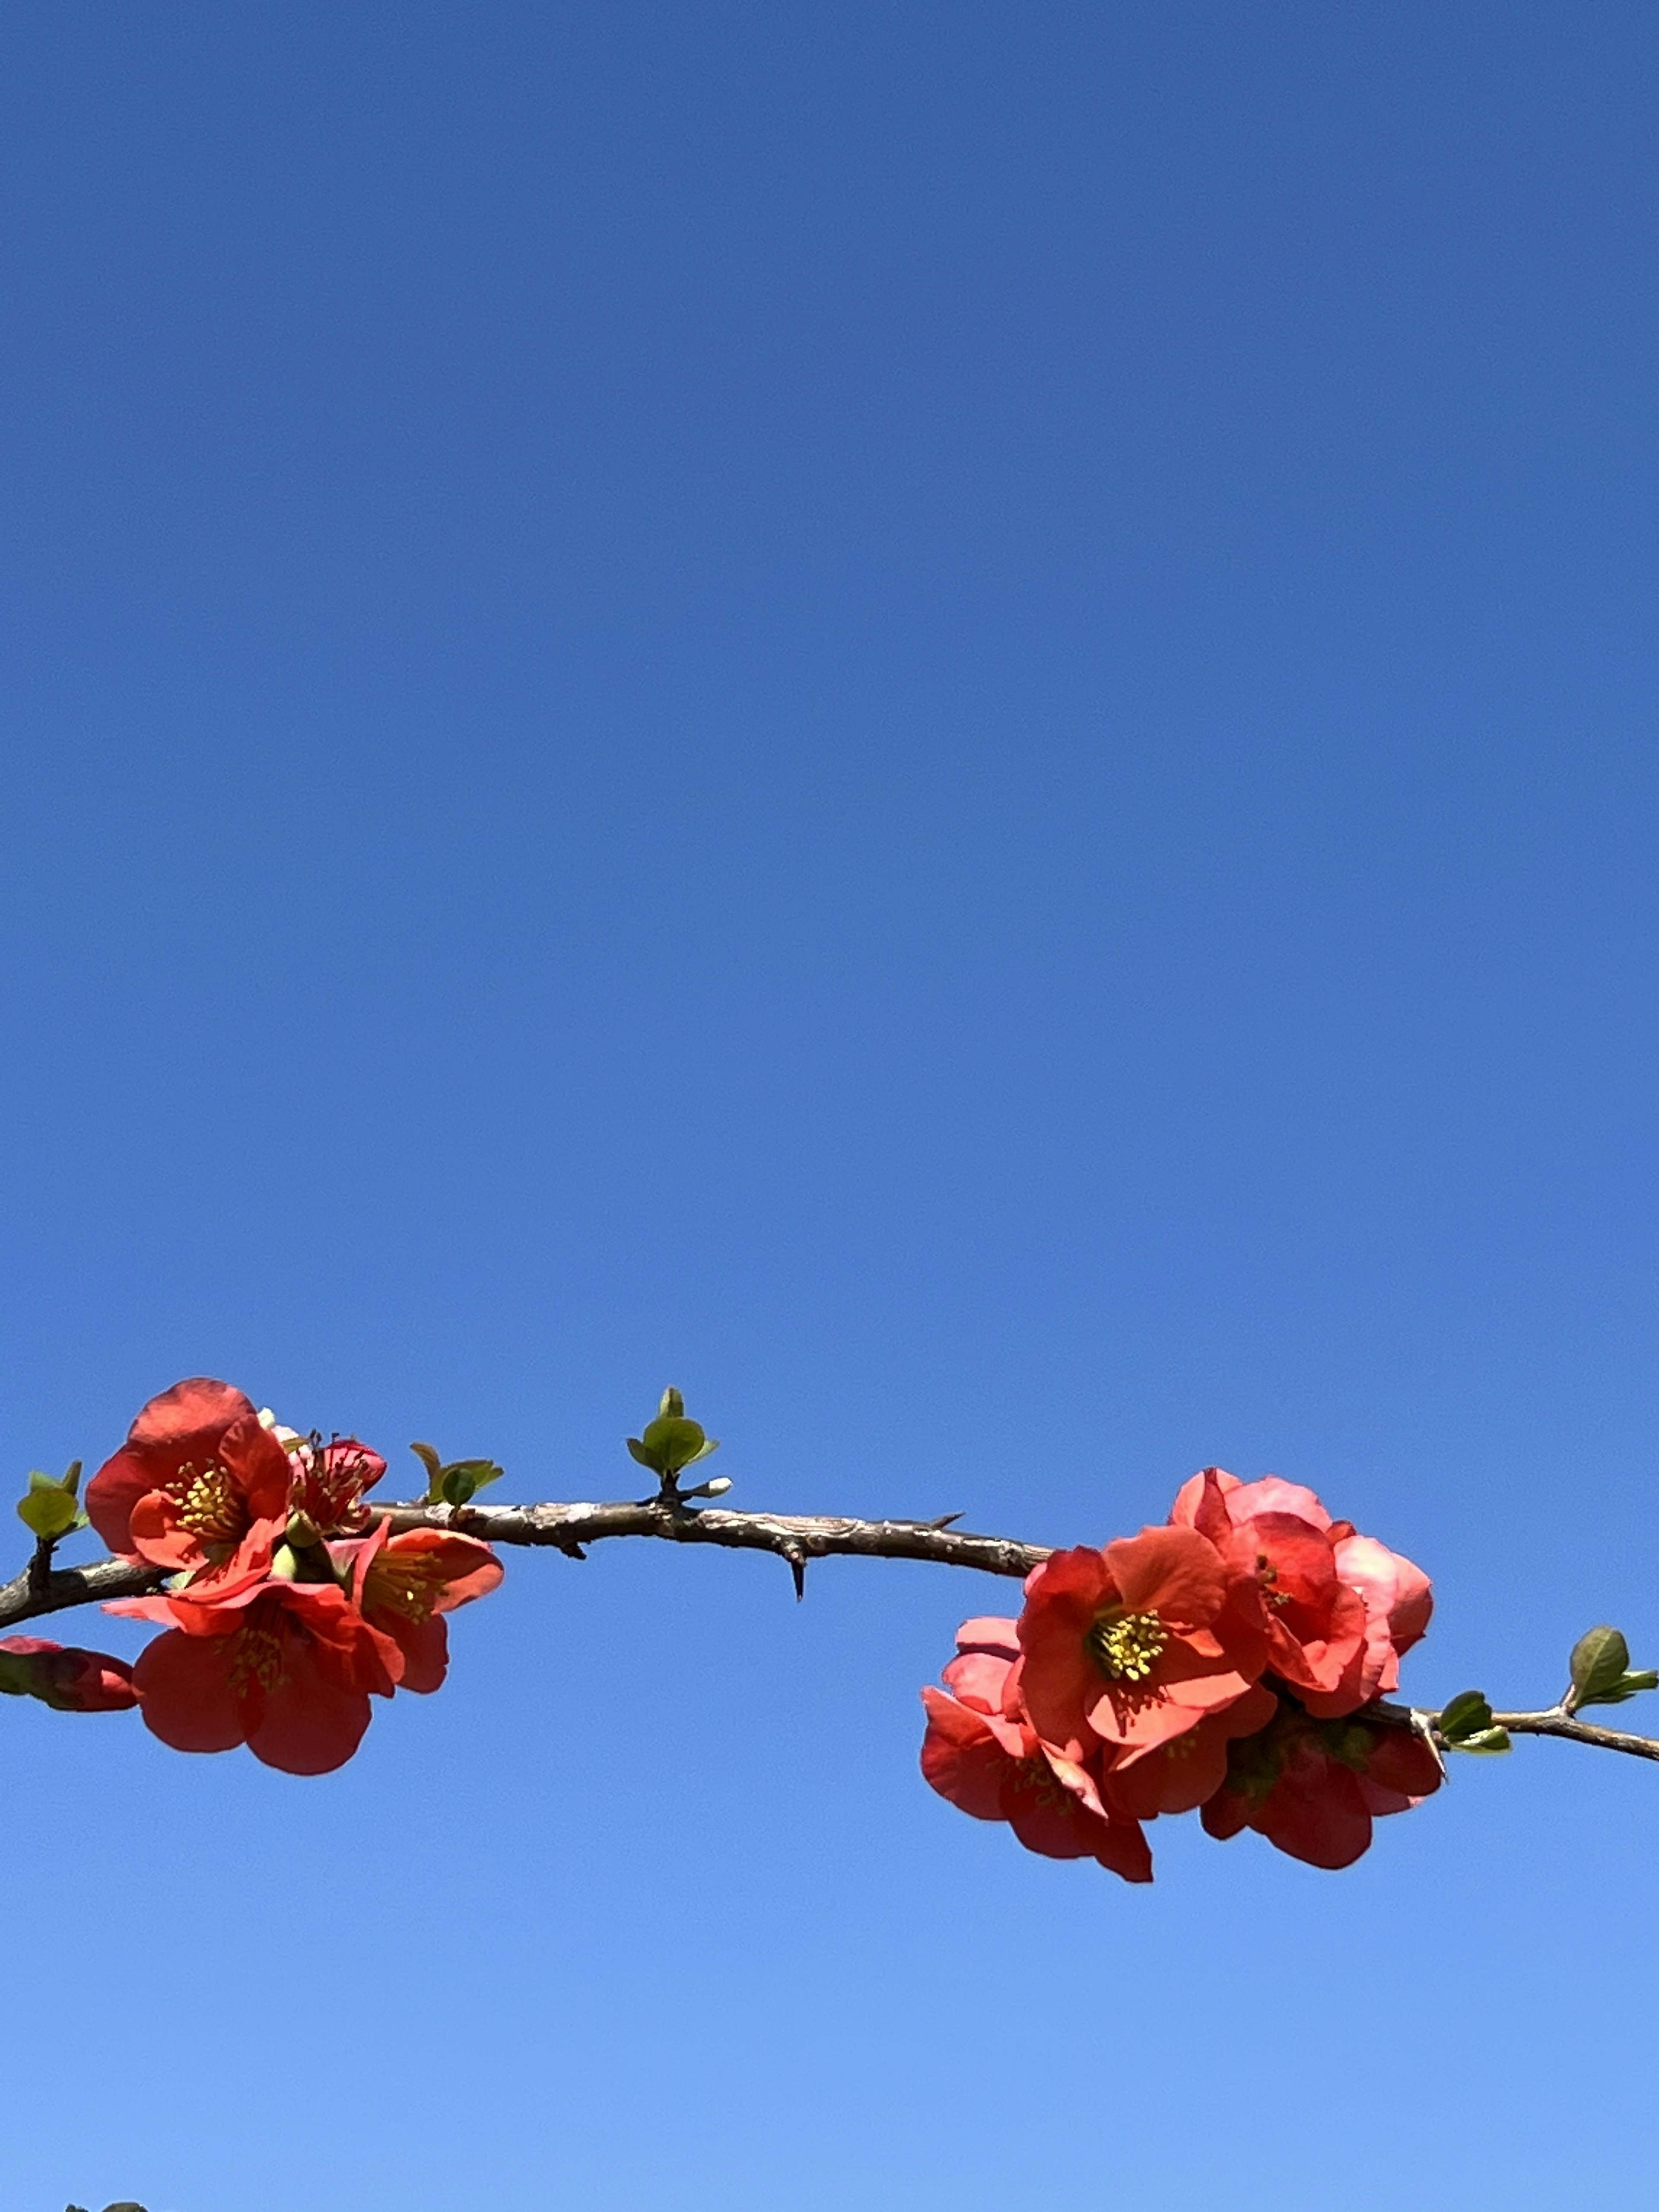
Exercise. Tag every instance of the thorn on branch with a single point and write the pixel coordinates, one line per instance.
(945, 1521)
(573, 1551)
(797, 1558)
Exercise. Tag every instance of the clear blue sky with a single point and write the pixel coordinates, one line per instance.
(939, 719)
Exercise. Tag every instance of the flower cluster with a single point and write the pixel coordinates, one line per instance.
(1223, 1661)
(290, 1604)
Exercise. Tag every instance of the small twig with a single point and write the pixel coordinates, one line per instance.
(40, 1566)
(1553, 1722)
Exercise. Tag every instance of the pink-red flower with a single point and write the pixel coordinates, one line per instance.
(1339, 1609)
(329, 1482)
(984, 1755)
(200, 1487)
(404, 1585)
(175, 1439)
(1313, 1787)
(285, 1668)
(64, 1677)
(1133, 1646)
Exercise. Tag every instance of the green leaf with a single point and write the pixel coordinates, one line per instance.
(673, 1407)
(71, 1480)
(1599, 1661)
(434, 1471)
(1468, 1714)
(459, 1484)
(1484, 1740)
(675, 1442)
(482, 1472)
(1625, 1687)
(645, 1456)
(48, 1512)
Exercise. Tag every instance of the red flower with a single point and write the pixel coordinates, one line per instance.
(1135, 1645)
(285, 1668)
(1338, 1608)
(1313, 1788)
(173, 1441)
(329, 1482)
(1176, 1776)
(981, 1753)
(63, 1676)
(402, 1585)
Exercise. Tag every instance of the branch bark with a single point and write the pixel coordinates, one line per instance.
(795, 1538)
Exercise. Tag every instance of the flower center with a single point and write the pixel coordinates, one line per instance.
(409, 1582)
(209, 1506)
(1127, 1646)
(256, 1656)
(1267, 1575)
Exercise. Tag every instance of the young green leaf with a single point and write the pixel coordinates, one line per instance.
(47, 1511)
(1600, 1659)
(1484, 1741)
(1467, 1714)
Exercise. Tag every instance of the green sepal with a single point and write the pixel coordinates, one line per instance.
(672, 1406)
(1600, 1661)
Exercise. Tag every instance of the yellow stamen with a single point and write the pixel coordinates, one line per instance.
(209, 1506)
(1127, 1646)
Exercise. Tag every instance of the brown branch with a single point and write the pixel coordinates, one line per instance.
(795, 1538)
(1555, 1722)
(1562, 1724)
(25, 1597)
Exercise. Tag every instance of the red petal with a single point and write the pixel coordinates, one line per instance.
(425, 1647)
(961, 1759)
(309, 1724)
(188, 1412)
(183, 1691)
(1173, 1572)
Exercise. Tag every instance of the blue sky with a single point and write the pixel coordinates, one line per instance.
(939, 719)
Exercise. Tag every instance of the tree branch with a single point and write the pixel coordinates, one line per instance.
(795, 1538)
(26, 1595)
(1555, 1722)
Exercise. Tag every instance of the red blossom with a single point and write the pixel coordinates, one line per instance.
(1178, 1776)
(65, 1677)
(1313, 1787)
(982, 1754)
(285, 1668)
(329, 1482)
(1339, 1609)
(1133, 1646)
(404, 1585)
(175, 1439)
